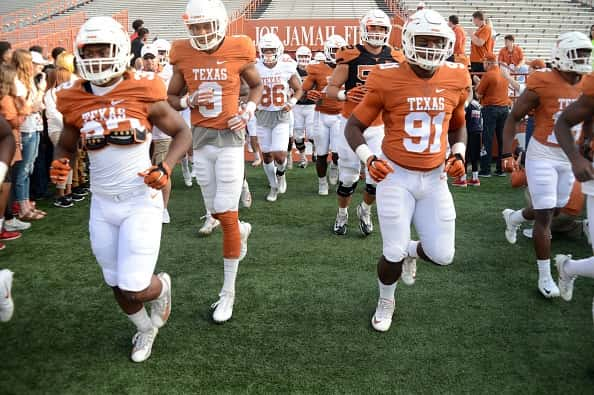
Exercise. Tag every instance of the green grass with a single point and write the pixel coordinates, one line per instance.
(301, 320)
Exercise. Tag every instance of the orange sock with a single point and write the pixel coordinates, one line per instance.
(231, 236)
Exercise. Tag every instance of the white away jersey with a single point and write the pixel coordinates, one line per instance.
(276, 91)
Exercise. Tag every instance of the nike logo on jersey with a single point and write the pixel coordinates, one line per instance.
(221, 61)
(439, 90)
(426, 103)
(116, 102)
(210, 74)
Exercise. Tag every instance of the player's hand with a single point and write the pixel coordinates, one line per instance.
(378, 168)
(582, 169)
(156, 176)
(59, 170)
(454, 166)
(201, 98)
(247, 111)
(508, 164)
(314, 95)
(237, 123)
(357, 94)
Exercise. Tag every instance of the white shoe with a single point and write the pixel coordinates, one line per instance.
(332, 174)
(585, 229)
(6, 302)
(365, 223)
(511, 230)
(272, 195)
(289, 161)
(246, 196)
(188, 182)
(323, 187)
(341, 224)
(382, 319)
(16, 225)
(302, 160)
(166, 217)
(282, 183)
(143, 345)
(548, 288)
(245, 229)
(409, 270)
(257, 162)
(223, 308)
(161, 307)
(565, 281)
(528, 232)
(210, 224)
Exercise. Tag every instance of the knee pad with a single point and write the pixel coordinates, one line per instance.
(370, 189)
(300, 144)
(441, 257)
(345, 190)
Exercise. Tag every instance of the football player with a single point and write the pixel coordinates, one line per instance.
(210, 66)
(353, 66)
(548, 170)
(582, 110)
(112, 112)
(304, 111)
(7, 148)
(328, 124)
(422, 101)
(273, 118)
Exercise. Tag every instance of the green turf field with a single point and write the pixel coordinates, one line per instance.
(302, 315)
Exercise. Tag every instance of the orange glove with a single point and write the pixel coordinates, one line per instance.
(314, 95)
(59, 170)
(357, 94)
(508, 164)
(378, 168)
(156, 176)
(454, 166)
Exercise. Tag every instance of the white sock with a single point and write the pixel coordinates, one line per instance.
(142, 320)
(343, 211)
(412, 248)
(245, 184)
(366, 206)
(386, 291)
(1, 224)
(580, 267)
(322, 180)
(281, 167)
(185, 164)
(544, 268)
(270, 171)
(230, 267)
(517, 217)
(475, 175)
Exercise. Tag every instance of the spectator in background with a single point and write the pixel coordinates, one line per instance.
(36, 48)
(5, 52)
(138, 43)
(474, 127)
(492, 91)
(459, 55)
(511, 55)
(137, 24)
(481, 42)
(592, 38)
(56, 52)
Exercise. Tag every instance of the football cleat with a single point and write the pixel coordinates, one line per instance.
(272, 195)
(282, 183)
(528, 232)
(209, 225)
(302, 160)
(161, 307)
(511, 230)
(365, 223)
(143, 344)
(474, 183)
(340, 226)
(460, 182)
(382, 319)
(409, 270)
(223, 308)
(166, 217)
(245, 229)
(323, 187)
(332, 174)
(565, 281)
(246, 195)
(548, 288)
(6, 302)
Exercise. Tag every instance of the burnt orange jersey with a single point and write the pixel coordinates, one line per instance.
(218, 71)
(554, 95)
(418, 113)
(318, 75)
(588, 85)
(123, 108)
(360, 63)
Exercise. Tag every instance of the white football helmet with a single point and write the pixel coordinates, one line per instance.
(162, 47)
(303, 56)
(427, 23)
(206, 11)
(375, 17)
(102, 30)
(270, 41)
(332, 45)
(569, 53)
(319, 57)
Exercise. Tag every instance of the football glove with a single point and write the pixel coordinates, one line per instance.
(508, 164)
(59, 170)
(454, 166)
(378, 168)
(357, 94)
(156, 176)
(314, 95)
(201, 98)
(237, 123)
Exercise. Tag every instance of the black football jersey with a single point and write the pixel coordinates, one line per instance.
(361, 62)
(304, 100)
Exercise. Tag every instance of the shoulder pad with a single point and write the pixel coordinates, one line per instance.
(347, 54)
